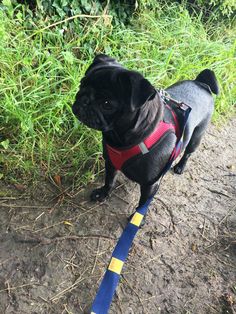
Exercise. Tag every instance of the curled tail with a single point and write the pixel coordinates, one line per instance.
(208, 77)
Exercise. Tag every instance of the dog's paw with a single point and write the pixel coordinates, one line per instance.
(178, 169)
(99, 194)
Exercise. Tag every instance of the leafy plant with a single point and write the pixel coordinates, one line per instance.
(41, 64)
(213, 9)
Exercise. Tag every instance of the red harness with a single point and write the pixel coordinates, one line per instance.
(119, 156)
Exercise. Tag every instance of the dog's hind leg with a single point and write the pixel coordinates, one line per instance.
(191, 146)
(180, 166)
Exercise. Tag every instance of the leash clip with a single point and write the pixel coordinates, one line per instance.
(166, 97)
(183, 106)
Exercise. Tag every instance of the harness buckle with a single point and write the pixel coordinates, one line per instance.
(143, 148)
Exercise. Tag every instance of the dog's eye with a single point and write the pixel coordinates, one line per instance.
(106, 106)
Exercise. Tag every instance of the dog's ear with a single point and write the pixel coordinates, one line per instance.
(101, 60)
(135, 89)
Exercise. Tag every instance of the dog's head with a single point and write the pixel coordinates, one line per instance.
(108, 92)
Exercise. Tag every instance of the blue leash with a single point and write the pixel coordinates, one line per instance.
(111, 278)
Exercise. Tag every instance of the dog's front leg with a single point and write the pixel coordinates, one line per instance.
(110, 175)
(147, 191)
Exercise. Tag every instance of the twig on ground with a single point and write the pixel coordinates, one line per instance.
(24, 206)
(96, 256)
(131, 288)
(121, 198)
(119, 303)
(6, 260)
(8, 289)
(227, 215)
(90, 209)
(153, 297)
(39, 216)
(46, 241)
(72, 287)
(170, 213)
(153, 259)
(218, 192)
(48, 227)
(18, 287)
(228, 246)
(204, 228)
(225, 263)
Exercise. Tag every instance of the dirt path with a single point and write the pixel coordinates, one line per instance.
(55, 247)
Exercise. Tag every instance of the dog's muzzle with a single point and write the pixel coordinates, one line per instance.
(91, 117)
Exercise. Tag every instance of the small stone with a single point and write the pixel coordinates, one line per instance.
(194, 247)
(231, 167)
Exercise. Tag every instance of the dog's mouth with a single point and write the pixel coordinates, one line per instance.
(92, 119)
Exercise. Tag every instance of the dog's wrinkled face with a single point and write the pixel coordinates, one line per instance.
(96, 103)
(108, 92)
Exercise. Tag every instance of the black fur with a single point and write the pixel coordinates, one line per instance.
(208, 77)
(126, 108)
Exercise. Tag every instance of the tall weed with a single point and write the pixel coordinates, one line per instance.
(41, 67)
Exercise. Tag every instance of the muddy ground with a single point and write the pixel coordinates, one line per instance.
(55, 244)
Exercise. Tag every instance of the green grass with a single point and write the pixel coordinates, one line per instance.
(41, 70)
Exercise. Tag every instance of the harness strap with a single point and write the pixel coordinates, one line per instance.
(118, 157)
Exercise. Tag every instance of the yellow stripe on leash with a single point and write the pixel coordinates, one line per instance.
(136, 219)
(116, 265)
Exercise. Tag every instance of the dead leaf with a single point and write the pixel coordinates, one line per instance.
(229, 299)
(20, 187)
(67, 223)
(57, 180)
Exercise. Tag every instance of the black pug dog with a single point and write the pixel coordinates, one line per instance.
(128, 109)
